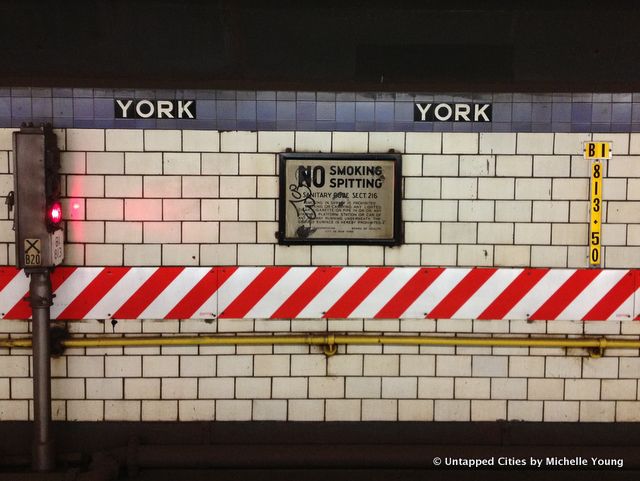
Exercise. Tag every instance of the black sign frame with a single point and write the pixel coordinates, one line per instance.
(398, 232)
(158, 109)
(456, 112)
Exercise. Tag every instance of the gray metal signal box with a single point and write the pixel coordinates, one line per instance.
(36, 246)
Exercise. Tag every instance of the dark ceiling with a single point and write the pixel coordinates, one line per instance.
(329, 45)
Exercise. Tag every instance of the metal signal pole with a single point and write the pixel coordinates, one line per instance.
(40, 300)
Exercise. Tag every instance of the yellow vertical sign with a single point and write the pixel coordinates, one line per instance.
(596, 213)
(596, 152)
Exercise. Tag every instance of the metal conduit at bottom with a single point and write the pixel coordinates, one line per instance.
(329, 342)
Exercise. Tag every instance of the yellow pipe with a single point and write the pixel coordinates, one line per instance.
(333, 339)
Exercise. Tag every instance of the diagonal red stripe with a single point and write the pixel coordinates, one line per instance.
(309, 289)
(7, 274)
(565, 295)
(59, 275)
(91, 295)
(199, 294)
(460, 294)
(22, 310)
(513, 293)
(255, 291)
(636, 273)
(612, 299)
(357, 292)
(147, 292)
(408, 293)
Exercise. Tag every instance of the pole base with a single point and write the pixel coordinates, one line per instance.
(43, 457)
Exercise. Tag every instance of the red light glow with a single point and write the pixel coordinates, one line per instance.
(55, 213)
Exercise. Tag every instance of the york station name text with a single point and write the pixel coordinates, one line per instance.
(442, 112)
(154, 109)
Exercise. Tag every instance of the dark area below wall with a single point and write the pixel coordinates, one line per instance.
(344, 450)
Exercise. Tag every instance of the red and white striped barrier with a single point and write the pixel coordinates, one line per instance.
(329, 292)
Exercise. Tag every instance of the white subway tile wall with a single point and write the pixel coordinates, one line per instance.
(172, 197)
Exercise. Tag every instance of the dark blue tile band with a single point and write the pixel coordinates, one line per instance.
(325, 111)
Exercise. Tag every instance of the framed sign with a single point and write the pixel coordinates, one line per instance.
(340, 199)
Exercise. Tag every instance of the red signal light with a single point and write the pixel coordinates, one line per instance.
(54, 214)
